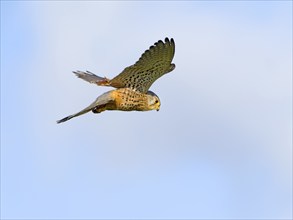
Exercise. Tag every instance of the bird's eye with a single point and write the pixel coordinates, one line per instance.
(156, 101)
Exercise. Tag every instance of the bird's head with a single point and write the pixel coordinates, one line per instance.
(154, 102)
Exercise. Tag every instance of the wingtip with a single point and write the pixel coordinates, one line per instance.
(169, 41)
(63, 120)
(59, 121)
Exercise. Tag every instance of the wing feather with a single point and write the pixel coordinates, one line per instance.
(153, 63)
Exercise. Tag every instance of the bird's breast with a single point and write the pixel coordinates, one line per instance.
(129, 100)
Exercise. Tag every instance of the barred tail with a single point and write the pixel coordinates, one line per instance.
(92, 78)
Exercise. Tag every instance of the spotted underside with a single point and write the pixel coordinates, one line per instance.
(128, 100)
(124, 99)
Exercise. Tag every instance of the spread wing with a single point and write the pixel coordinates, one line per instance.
(153, 63)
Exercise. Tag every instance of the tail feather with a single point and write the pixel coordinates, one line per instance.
(92, 78)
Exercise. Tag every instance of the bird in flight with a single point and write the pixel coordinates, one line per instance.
(132, 84)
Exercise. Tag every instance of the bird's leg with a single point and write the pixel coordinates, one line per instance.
(99, 109)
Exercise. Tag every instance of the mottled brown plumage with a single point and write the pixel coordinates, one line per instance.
(133, 83)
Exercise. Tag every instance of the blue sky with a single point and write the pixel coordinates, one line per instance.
(220, 147)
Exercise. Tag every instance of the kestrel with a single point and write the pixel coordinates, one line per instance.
(133, 83)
